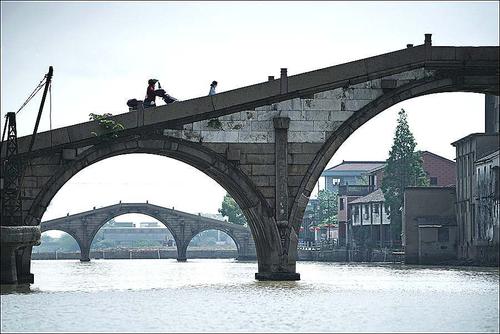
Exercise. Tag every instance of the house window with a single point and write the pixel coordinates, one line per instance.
(375, 208)
(443, 234)
(434, 181)
(341, 205)
(367, 210)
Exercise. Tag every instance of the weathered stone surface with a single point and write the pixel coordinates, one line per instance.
(40, 170)
(263, 170)
(259, 159)
(253, 137)
(233, 155)
(311, 119)
(19, 234)
(306, 136)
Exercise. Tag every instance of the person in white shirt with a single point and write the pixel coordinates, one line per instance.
(212, 88)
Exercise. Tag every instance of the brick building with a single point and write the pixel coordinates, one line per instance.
(440, 171)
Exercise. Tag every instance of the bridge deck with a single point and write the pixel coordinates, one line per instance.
(266, 93)
(127, 207)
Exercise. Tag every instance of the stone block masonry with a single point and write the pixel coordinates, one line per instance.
(311, 119)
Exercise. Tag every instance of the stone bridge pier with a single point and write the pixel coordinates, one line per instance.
(15, 253)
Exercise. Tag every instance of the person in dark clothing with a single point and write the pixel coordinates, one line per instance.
(150, 98)
(152, 93)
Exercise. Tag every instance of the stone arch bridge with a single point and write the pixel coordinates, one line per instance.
(182, 225)
(266, 144)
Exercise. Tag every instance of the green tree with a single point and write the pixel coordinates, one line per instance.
(324, 210)
(232, 211)
(404, 168)
(327, 207)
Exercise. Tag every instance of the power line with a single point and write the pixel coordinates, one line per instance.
(35, 91)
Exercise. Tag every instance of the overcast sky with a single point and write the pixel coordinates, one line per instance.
(103, 53)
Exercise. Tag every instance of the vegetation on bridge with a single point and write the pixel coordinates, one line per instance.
(109, 126)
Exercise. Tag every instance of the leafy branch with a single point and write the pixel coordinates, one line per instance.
(215, 124)
(109, 126)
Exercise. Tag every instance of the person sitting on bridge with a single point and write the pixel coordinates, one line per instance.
(152, 93)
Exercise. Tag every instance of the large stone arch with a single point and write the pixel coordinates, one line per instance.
(257, 211)
(426, 86)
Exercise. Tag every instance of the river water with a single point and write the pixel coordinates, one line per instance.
(223, 296)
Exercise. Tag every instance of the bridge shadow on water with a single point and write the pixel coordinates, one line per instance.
(6, 289)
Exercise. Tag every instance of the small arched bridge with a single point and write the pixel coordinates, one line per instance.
(265, 144)
(182, 225)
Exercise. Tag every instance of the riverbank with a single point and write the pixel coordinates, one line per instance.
(304, 254)
(349, 255)
(139, 254)
(335, 255)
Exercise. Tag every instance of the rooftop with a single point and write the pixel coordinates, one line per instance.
(355, 166)
(488, 157)
(423, 153)
(375, 196)
(472, 136)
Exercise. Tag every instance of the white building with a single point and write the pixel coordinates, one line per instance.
(369, 219)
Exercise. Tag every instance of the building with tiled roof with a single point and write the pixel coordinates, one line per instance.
(376, 196)
(369, 220)
(348, 173)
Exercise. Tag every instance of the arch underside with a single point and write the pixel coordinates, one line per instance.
(237, 184)
(236, 240)
(67, 231)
